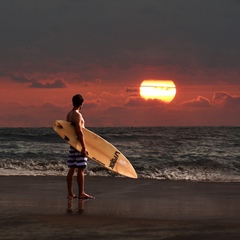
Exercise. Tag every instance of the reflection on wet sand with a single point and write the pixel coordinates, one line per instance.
(79, 209)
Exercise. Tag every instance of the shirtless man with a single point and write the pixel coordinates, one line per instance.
(77, 160)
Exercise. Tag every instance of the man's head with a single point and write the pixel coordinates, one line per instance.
(77, 100)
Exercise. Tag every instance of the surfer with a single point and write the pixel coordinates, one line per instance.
(77, 160)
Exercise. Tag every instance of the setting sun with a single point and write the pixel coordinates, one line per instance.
(164, 90)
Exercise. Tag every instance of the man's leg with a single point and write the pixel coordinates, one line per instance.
(70, 176)
(80, 179)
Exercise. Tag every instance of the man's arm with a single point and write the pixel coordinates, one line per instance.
(79, 133)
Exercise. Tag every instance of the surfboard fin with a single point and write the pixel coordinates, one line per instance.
(66, 138)
(59, 125)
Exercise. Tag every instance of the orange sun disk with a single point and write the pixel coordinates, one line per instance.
(164, 90)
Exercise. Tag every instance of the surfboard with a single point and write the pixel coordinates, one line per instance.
(99, 149)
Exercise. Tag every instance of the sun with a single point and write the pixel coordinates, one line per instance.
(164, 90)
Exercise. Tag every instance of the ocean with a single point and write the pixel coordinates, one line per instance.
(164, 153)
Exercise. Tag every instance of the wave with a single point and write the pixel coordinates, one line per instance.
(181, 172)
(164, 153)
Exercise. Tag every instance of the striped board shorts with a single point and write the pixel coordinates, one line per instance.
(76, 159)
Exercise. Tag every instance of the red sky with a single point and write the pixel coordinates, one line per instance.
(51, 50)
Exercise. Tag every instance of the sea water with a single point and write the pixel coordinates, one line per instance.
(166, 153)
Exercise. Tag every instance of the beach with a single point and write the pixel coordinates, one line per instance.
(36, 207)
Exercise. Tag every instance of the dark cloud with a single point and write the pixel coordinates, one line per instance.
(226, 100)
(80, 35)
(58, 83)
(220, 99)
(199, 102)
(21, 79)
(135, 102)
(88, 105)
(131, 90)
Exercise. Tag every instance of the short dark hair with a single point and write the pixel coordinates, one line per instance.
(77, 100)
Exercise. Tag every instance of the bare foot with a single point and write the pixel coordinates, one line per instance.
(70, 197)
(85, 196)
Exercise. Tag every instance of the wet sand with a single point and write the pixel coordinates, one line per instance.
(37, 208)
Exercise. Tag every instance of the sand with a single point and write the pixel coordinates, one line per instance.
(37, 208)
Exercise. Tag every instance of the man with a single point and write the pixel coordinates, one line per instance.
(77, 160)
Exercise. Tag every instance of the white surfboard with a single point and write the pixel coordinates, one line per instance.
(99, 150)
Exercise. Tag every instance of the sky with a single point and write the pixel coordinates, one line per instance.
(51, 50)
